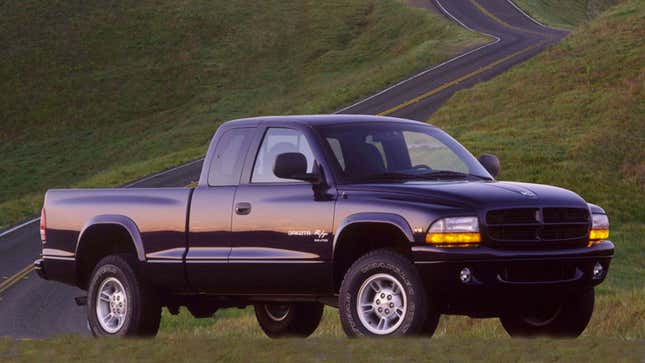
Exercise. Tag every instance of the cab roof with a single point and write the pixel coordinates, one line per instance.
(315, 120)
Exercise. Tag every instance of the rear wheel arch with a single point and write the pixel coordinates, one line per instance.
(358, 236)
(103, 236)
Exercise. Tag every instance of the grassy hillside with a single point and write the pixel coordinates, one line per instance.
(99, 93)
(564, 13)
(572, 117)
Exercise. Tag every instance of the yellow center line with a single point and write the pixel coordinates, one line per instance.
(502, 22)
(480, 70)
(460, 79)
(16, 277)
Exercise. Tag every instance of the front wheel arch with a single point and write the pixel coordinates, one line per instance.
(359, 238)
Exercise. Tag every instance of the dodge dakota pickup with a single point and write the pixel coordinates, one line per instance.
(391, 221)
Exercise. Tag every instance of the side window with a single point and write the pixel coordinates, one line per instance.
(278, 141)
(226, 165)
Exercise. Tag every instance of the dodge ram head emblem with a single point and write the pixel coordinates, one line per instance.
(528, 194)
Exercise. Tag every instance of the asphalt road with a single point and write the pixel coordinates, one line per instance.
(36, 308)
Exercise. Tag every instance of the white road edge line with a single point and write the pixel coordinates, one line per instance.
(25, 224)
(526, 14)
(497, 40)
(548, 27)
(162, 173)
(10, 230)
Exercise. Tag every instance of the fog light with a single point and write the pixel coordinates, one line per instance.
(598, 270)
(465, 275)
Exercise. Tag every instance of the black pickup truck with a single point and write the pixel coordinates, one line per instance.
(391, 221)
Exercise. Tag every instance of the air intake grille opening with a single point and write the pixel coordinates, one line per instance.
(538, 228)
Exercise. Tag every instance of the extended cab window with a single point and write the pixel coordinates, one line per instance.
(226, 165)
(278, 141)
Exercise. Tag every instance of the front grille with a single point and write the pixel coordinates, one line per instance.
(561, 215)
(538, 228)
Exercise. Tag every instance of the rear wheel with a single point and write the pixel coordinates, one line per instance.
(298, 319)
(120, 302)
(567, 318)
(382, 295)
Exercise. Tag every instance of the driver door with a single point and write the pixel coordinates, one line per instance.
(281, 228)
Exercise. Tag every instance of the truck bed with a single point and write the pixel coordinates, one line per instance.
(159, 215)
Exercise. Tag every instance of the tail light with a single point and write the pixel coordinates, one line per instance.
(43, 226)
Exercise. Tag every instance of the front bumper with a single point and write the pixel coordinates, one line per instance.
(501, 278)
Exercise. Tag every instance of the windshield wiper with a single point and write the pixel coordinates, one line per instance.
(449, 174)
(438, 174)
(391, 176)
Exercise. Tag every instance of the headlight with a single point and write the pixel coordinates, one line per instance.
(599, 227)
(454, 232)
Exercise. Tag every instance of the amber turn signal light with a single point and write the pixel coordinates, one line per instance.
(598, 234)
(454, 239)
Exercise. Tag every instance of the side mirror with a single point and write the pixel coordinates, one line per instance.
(293, 166)
(490, 163)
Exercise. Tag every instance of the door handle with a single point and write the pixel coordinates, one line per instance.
(243, 208)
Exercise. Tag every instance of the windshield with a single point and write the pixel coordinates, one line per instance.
(366, 152)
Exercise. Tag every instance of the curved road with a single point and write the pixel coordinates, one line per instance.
(31, 307)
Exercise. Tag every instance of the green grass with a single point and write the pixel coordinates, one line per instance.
(97, 93)
(564, 13)
(574, 117)
(200, 349)
(571, 117)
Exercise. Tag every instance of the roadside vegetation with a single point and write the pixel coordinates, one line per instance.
(98, 93)
(574, 117)
(571, 117)
(565, 14)
(187, 348)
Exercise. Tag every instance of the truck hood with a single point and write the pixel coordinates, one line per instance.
(474, 194)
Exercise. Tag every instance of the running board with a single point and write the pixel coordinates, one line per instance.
(81, 300)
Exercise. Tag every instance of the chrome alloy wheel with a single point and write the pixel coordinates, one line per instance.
(111, 305)
(277, 312)
(381, 304)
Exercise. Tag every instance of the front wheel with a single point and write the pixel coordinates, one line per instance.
(298, 319)
(120, 302)
(382, 294)
(567, 318)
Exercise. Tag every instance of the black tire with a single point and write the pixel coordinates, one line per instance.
(281, 320)
(563, 319)
(384, 264)
(143, 309)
